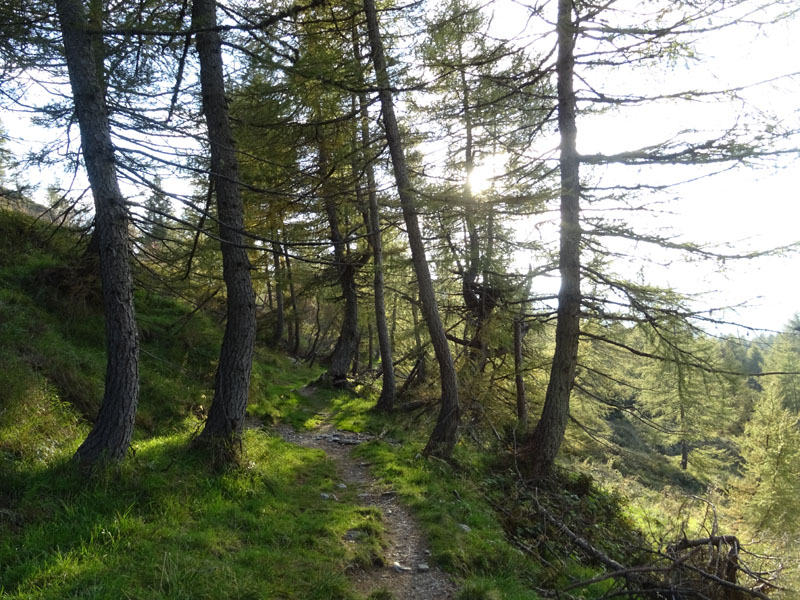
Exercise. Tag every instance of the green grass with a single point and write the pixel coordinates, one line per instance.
(445, 500)
(161, 525)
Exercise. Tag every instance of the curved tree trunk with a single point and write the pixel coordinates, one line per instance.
(225, 422)
(111, 435)
(445, 434)
(539, 453)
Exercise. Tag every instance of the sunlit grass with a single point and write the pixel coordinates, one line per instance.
(162, 525)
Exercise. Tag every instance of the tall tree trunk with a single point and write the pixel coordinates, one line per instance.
(683, 427)
(519, 380)
(270, 305)
(370, 348)
(294, 347)
(393, 330)
(445, 434)
(280, 312)
(347, 342)
(110, 437)
(389, 385)
(312, 351)
(357, 355)
(540, 451)
(421, 362)
(225, 422)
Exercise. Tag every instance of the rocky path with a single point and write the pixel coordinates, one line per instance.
(407, 574)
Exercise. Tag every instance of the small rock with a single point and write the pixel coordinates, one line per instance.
(353, 535)
(400, 568)
(465, 527)
(10, 515)
(364, 464)
(325, 496)
(423, 568)
(341, 486)
(388, 494)
(363, 495)
(427, 552)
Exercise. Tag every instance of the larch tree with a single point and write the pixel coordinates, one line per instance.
(346, 265)
(482, 107)
(110, 437)
(683, 395)
(594, 40)
(386, 398)
(225, 423)
(540, 450)
(444, 436)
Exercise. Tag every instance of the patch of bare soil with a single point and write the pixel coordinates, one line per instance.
(408, 573)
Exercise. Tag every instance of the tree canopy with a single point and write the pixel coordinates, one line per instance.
(369, 185)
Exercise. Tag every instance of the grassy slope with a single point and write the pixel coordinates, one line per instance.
(161, 525)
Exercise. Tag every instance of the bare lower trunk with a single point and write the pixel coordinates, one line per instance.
(270, 305)
(421, 363)
(389, 386)
(445, 434)
(294, 348)
(357, 356)
(519, 380)
(347, 342)
(540, 451)
(312, 351)
(225, 422)
(370, 348)
(110, 437)
(280, 318)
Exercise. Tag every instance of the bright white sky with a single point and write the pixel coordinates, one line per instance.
(756, 209)
(759, 209)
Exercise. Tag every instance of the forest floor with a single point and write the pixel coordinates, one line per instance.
(405, 573)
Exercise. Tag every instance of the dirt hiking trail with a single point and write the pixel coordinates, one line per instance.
(407, 573)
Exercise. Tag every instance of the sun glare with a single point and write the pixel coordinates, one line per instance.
(485, 176)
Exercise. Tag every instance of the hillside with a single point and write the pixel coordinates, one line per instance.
(292, 521)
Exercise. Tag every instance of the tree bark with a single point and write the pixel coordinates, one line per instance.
(280, 312)
(422, 360)
(370, 348)
(445, 434)
(539, 453)
(519, 380)
(347, 342)
(111, 435)
(389, 385)
(295, 344)
(270, 305)
(312, 351)
(225, 422)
